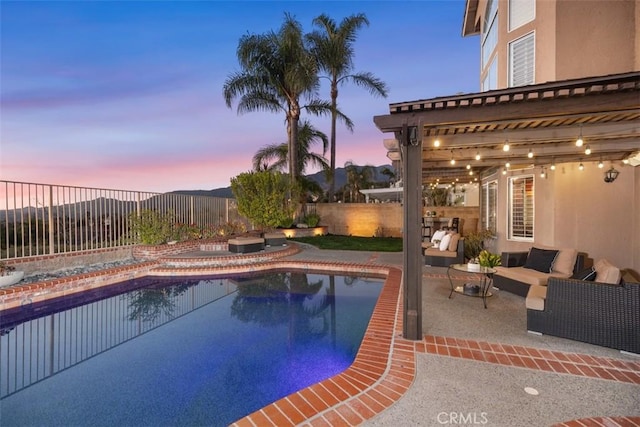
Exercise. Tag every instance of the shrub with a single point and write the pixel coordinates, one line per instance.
(266, 198)
(151, 227)
(312, 219)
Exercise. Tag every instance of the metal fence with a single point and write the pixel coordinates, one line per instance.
(41, 219)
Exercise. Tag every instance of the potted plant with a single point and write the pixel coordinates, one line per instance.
(474, 243)
(487, 259)
(8, 275)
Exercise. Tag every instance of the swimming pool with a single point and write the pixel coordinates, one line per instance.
(203, 351)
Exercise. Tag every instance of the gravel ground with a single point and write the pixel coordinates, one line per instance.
(39, 277)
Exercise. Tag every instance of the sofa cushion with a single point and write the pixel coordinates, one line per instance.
(527, 275)
(444, 243)
(453, 244)
(540, 259)
(586, 274)
(565, 261)
(437, 252)
(606, 272)
(535, 298)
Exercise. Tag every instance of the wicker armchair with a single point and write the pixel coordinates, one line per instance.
(595, 313)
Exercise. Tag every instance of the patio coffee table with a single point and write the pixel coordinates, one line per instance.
(481, 290)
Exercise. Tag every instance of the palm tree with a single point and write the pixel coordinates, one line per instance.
(333, 47)
(358, 177)
(277, 71)
(276, 156)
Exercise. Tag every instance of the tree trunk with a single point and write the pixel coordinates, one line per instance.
(332, 144)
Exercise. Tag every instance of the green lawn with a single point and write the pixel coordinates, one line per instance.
(352, 243)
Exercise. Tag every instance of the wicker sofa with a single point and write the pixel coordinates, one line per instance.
(454, 254)
(597, 313)
(512, 276)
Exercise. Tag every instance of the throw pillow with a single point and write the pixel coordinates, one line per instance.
(586, 274)
(540, 259)
(444, 243)
(606, 272)
(453, 243)
(438, 235)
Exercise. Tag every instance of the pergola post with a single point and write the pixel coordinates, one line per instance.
(412, 234)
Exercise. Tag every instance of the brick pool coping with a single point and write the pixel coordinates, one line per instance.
(384, 368)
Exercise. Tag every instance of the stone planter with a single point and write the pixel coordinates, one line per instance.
(304, 232)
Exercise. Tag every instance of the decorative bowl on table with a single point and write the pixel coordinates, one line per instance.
(473, 266)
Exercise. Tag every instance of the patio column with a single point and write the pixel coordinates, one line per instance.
(412, 234)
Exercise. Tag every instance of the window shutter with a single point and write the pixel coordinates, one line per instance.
(522, 61)
(521, 12)
(521, 208)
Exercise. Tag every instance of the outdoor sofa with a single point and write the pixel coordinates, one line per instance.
(521, 270)
(450, 250)
(605, 314)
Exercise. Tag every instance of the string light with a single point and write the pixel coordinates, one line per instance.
(553, 165)
(453, 161)
(506, 146)
(579, 141)
(542, 172)
(507, 165)
(504, 171)
(581, 166)
(600, 164)
(587, 150)
(468, 166)
(436, 142)
(477, 155)
(530, 154)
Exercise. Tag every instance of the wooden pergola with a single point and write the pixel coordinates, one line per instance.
(544, 119)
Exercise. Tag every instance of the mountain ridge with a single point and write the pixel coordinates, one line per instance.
(319, 177)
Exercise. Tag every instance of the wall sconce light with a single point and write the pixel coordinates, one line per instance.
(611, 175)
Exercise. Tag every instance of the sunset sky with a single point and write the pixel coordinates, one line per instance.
(128, 95)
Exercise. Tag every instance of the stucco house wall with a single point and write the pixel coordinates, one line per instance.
(578, 209)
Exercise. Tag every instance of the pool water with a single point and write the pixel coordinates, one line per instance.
(190, 351)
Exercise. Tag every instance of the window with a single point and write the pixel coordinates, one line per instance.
(520, 214)
(522, 61)
(489, 31)
(489, 204)
(521, 12)
(490, 81)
